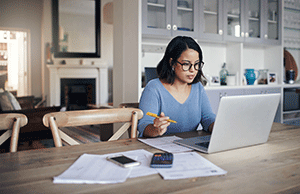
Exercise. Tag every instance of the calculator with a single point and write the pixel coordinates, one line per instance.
(162, 160)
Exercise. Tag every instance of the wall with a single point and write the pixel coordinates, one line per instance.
(26, 14)
(106, 46)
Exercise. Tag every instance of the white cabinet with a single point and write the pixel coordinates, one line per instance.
(167, 18)
(215, 95)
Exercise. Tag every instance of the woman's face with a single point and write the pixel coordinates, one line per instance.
(188, 56)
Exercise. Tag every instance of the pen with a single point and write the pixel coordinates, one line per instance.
(155, 115)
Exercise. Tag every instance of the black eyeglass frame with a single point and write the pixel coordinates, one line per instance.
(201, 64)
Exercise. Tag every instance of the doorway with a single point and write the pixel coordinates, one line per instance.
(14, 61)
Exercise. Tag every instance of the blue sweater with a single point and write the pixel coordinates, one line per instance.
(196, 109)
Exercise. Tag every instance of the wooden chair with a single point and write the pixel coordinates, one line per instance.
(12, 122)
(92, 117)
(129, 105)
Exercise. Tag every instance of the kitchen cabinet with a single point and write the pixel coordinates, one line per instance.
(272, 22)
(170, 18)
(211, 20)
(215, 95)
(255, 21)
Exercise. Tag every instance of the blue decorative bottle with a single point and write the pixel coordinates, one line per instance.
(223, 75)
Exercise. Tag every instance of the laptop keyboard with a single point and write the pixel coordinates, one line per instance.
(203, 144)
(204, 141)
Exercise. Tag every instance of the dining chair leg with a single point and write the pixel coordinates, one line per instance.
(15, 135)
(55, 133)
(134, 124)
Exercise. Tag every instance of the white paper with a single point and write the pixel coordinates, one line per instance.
(165, 144)
(91, 169)
(189, 165)
(144, 157)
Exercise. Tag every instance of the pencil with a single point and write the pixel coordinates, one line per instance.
(155, 115)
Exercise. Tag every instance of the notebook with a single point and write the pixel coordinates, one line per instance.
(241, 121)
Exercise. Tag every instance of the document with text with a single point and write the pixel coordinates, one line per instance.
(190, 165)
(165, 144)
(96, 169)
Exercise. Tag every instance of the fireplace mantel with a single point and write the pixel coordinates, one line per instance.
(99, 72)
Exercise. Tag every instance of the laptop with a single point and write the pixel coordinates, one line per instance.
(241, 121)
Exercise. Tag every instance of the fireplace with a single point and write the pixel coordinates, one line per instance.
(92, 80)
(76, 94)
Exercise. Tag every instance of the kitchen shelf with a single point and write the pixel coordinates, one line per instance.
(156, 5)
(210, 12)
(253, 19)
(272, 22)
(233, 16)
(291, 112)
(185, 9)
(292, 9)
(291, 28)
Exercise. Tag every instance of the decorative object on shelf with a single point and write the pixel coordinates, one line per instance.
(272, 78)
(251, 76)
(214, 80)
(48, 54)
(223, 74)
(263, 77)
(231, 80)
(290, 64)
(290, 76)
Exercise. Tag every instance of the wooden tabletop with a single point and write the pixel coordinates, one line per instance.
(273, 167)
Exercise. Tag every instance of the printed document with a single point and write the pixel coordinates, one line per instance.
(189, 165)
(165, 144)
(92, 169)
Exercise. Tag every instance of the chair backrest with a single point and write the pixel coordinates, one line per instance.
(12, 122)
(129, 116)
(129, 105)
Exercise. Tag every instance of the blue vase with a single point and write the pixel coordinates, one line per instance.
(251, 76)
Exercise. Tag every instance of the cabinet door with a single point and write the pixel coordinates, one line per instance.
(211, 20)
(234, 20)
(215, 96)
(185, 18)
(272, 21)
(253, 24)
(156, 17)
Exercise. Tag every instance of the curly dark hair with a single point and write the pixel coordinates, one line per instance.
(173, 51)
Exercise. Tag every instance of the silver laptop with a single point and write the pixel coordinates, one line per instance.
(241, 121)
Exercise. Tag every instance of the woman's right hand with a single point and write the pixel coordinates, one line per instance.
(158, 128)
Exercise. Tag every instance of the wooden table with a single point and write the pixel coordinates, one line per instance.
(273, 167)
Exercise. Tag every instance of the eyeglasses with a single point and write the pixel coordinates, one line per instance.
(186, 66)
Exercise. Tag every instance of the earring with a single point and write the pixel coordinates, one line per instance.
(173, 68)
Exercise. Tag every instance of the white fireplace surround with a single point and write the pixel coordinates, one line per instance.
(99, 72)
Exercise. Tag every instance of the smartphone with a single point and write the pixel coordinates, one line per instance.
(123, 161)
(162, 160)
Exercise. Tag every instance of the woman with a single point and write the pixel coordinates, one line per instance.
(178, 93)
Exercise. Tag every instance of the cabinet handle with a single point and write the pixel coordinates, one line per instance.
(169, 27)
(246, 34)
(225, 94)
(221, 32)
(266, 36)
(174, 27)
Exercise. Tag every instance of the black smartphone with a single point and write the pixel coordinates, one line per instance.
(162, 160)
(123, 161)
